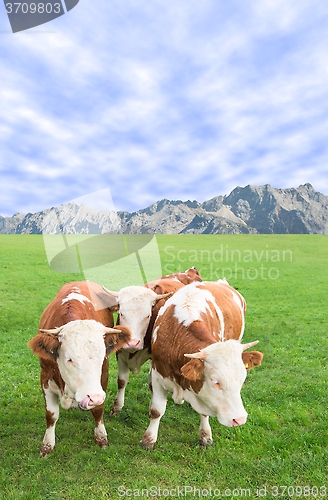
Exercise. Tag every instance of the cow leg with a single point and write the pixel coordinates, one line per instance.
(205, 432)
(100, 431)
(52, 414)
(150, 385)
(122, 380)
(156, 411)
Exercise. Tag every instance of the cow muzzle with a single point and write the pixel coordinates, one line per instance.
(134, 344)
(90, 402)
(235, 422)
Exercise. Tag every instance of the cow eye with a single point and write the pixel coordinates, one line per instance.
(216, 383)
(70, 361)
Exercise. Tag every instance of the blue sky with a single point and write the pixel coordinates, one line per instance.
(178, 100)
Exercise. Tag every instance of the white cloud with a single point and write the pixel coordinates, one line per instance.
(164, 100)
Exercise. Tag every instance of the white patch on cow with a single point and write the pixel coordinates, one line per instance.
(219, 314)
(190, 302)
(66, 398)
(178, 395)
(154, 336)
(184, 302)
(239, 303)
(237, 299)
(52, 406)
(76, 296)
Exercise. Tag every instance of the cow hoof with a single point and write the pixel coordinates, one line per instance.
(115, 411)
(102, 443)
(45, 450)
(147, 446)
(205, 444)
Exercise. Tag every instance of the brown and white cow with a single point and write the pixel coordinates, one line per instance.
(75, 338)
(198, 357)
(138, 307)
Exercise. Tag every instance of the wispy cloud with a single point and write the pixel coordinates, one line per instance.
(183, 100)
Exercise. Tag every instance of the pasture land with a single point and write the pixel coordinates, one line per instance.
(281, 452)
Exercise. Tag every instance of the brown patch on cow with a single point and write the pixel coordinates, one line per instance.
(50, 419)
(57, 314)
(150, 385)
(147, 442)
(104, 374)
(97, 413)
(154, 414)
(168, 361)
(193, 370)
(251, 359)
(120, 383)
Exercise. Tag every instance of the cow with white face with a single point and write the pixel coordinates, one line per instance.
(198, 357)
(138, 307)
(73, 344)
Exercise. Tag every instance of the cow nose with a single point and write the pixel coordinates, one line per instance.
(133, 344)
(238, 421)
(96, 399)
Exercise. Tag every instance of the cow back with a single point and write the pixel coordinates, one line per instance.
(76, 300)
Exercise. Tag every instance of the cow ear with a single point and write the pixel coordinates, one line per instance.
(158, 289)
(105, 299)
(252, 358)
(193, 370)
(45, 345)
(116, 338)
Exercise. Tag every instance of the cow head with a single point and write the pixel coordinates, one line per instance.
(222, 366)
(135, 305)
(79, 348)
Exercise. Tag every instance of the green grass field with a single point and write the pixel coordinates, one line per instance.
(281, 452)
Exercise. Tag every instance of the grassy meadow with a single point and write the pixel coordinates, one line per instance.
(281, 452)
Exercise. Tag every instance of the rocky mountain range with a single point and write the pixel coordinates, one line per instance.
(250, 209)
